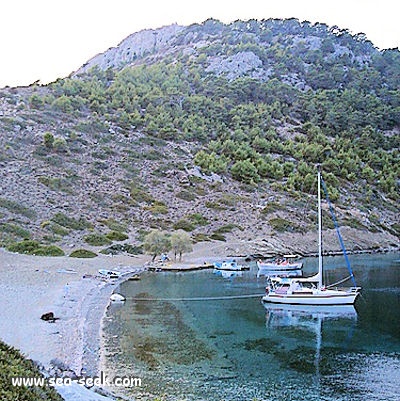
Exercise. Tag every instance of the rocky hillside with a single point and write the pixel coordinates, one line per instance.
(214, 129)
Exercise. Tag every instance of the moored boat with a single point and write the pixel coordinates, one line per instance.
(285, 262)
(228, 265)
(281, 265)
(311, 290)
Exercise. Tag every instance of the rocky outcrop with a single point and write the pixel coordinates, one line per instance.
(238, 65)
(133, 47)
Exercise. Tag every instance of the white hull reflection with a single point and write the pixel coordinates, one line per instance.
(228, 273)
(292, 324)
(311, 311)
(280, 273)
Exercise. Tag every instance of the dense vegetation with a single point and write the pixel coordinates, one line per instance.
(13, 364)
(329, 98)
(259, 103)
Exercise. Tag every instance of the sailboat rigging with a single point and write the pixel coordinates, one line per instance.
(311, 290)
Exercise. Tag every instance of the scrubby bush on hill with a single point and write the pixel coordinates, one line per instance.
(32, 247)
(12, 365)
(82, 253)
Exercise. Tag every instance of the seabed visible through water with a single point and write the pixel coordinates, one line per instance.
(197, 338)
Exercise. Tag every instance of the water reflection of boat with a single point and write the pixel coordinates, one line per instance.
(228, 273)
(293, 323)
(279, 273)
(292, 315)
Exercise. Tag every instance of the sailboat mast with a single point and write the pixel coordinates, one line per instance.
(319, 231)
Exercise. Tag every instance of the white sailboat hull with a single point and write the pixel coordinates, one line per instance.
(316, 297)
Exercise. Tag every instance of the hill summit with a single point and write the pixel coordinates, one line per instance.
(214, 129)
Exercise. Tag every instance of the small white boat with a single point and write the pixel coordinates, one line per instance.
(117, 298)
(110, 273)
(311, 290)
(284, 263)
(228, 265)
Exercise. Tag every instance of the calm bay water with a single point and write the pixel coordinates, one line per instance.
(237, 349)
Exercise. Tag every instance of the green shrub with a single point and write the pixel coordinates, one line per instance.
(198, 219)
(97, 239)
(116, 236)
(28, 247)
(140, 195)
(395, 229)
(353, 223)
(83, 253)
(60, 145)
(122, 248)
(244, 170)
(49, 250)
(271, 207)
(227, 228)
(32, 247)
(217, 237)
(158, 208)
(70, 222)
(56, 184)
(13, 364)
(58, 230)
(215, 205)
(36, 102)
(48, 140)
(282, 225)
(200, 237)
(184, 225)
(17, 208)
(14, 230)
(114, 225)
(231, 199)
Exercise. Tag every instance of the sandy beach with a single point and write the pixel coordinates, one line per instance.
(78, 296)
(70, 288)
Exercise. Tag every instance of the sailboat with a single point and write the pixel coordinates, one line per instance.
(311, 290)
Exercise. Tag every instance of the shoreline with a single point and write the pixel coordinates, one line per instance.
(70, 288)
(79, 297)
(96, 310)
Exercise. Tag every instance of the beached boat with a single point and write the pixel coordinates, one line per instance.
(228, 265)
(110, 273)
(311, 290)
(117, 298)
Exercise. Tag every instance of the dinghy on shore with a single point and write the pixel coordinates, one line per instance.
(117, 298)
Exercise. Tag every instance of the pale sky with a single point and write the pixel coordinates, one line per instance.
(48, 39)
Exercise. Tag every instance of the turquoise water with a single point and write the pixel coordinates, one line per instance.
(237, 349)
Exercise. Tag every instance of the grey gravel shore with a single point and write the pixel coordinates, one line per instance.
(70, 288)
